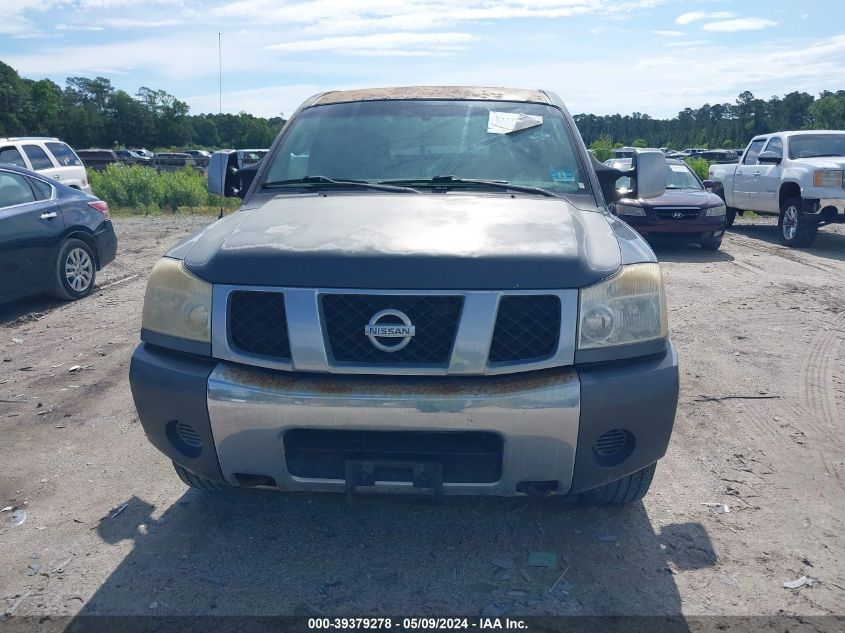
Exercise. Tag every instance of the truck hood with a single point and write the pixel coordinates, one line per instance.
(824, 162)
(679, 198)
(406, 241)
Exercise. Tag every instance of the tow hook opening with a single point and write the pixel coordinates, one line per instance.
(255, 481)
(537, 488)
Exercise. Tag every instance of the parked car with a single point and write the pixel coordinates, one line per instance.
(52, 237)
(377, 313)
(201, 157)
(143, 152)
(48, 156)
(797, 176)
(719, 155)
(173, 161)
(686, 212)
(98, 159)
(624, 152)
(197, 153)
(130, 157)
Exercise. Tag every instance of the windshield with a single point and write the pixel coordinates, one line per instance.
(520, 143)
(809, 145)
(680, 177)
(677, 176)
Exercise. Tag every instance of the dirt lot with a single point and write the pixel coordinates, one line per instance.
(760, 331)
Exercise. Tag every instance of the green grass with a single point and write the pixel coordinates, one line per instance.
(138, 190)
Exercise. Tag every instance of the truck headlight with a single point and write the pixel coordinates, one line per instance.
(630, 307)
(828, 178)
(714, 212)
(625, 209)
(177, 303)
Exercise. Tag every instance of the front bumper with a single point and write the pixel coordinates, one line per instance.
(820, 200)
(694, 229)
(549, 421)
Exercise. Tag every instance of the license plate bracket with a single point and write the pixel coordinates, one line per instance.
(422, 475)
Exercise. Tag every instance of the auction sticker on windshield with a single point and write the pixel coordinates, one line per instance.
(507, 122)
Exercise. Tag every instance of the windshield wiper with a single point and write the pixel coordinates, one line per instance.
(323, 180)
(495, 184)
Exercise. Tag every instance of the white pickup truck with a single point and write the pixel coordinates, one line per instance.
(795, 175)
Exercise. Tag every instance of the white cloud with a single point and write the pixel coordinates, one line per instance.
(669, 33)
(687, 43)
(695, 16)
(740, 24)
(357, 16)
(67, 27)
(392, 42)
(141, 23)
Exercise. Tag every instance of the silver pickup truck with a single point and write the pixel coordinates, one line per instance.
(424, 290)
(797, 176)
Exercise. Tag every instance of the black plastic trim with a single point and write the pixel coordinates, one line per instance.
(621, 352)
(169, 386)
(176, 343)
(640, 397)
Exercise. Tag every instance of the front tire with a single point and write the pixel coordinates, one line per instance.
(796, 228)
(626, 490)
(712, 244)
(76, 271)
(200, 483)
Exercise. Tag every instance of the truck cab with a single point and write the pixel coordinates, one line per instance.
(424, 290)
(797, 176)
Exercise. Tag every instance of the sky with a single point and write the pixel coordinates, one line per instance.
(656, 57)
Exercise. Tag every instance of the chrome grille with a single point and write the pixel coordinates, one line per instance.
(527, 328)
(257, 323)
(669, 213)
(435, 318)
(473, 332)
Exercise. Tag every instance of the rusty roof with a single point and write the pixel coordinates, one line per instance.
(476, 93)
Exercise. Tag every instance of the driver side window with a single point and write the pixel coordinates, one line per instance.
(775, 145)
(753, 152)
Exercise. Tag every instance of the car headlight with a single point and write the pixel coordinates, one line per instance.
(177, 303)
(630, 307)
(828, 178)
(625, 209)
(713, 212)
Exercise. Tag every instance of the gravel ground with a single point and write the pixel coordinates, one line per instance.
(111, 530)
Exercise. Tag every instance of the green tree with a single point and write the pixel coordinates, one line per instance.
(602, 148)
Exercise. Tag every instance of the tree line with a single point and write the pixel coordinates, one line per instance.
(723, 125)
(93, 113)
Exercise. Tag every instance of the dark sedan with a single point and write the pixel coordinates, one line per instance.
(52, 238)
(687, 212)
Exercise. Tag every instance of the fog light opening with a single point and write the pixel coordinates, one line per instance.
(184, 438)
(614, 447)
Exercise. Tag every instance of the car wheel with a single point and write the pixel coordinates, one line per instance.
(200, 483)
(76, 271)
(796, 228)
(631, 488)
(713, 244)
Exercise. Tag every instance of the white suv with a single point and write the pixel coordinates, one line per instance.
(48, 156)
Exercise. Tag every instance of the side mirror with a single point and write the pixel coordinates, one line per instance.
(223, 175)
(709, 185)
(769, 158)
(648, 171)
